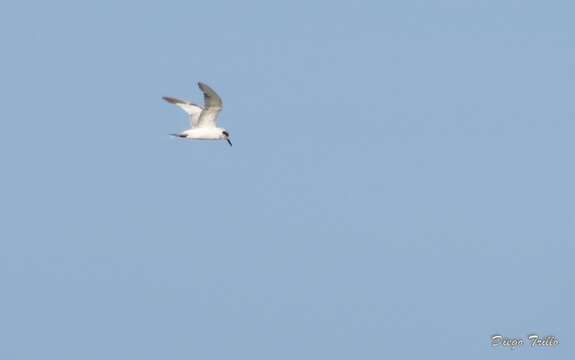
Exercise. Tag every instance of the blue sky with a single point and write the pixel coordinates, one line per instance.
(400, 185)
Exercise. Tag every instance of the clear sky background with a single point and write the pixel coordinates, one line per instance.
(401, 183)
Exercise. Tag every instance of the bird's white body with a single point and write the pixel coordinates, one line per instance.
(203, 120)
(199, 133)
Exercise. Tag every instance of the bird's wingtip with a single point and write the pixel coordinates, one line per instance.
(172, 100)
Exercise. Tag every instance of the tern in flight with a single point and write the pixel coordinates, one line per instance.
(203, 120)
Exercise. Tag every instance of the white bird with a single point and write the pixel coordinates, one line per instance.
(203, 120)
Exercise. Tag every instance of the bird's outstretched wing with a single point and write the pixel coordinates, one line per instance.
(212, 107)
(191, 109)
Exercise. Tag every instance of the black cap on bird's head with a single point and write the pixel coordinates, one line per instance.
(227, 137)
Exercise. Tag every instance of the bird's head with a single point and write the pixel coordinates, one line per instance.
(226, 136)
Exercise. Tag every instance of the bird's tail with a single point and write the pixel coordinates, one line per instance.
(179, 135)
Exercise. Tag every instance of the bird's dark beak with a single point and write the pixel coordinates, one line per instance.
(229, 142)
